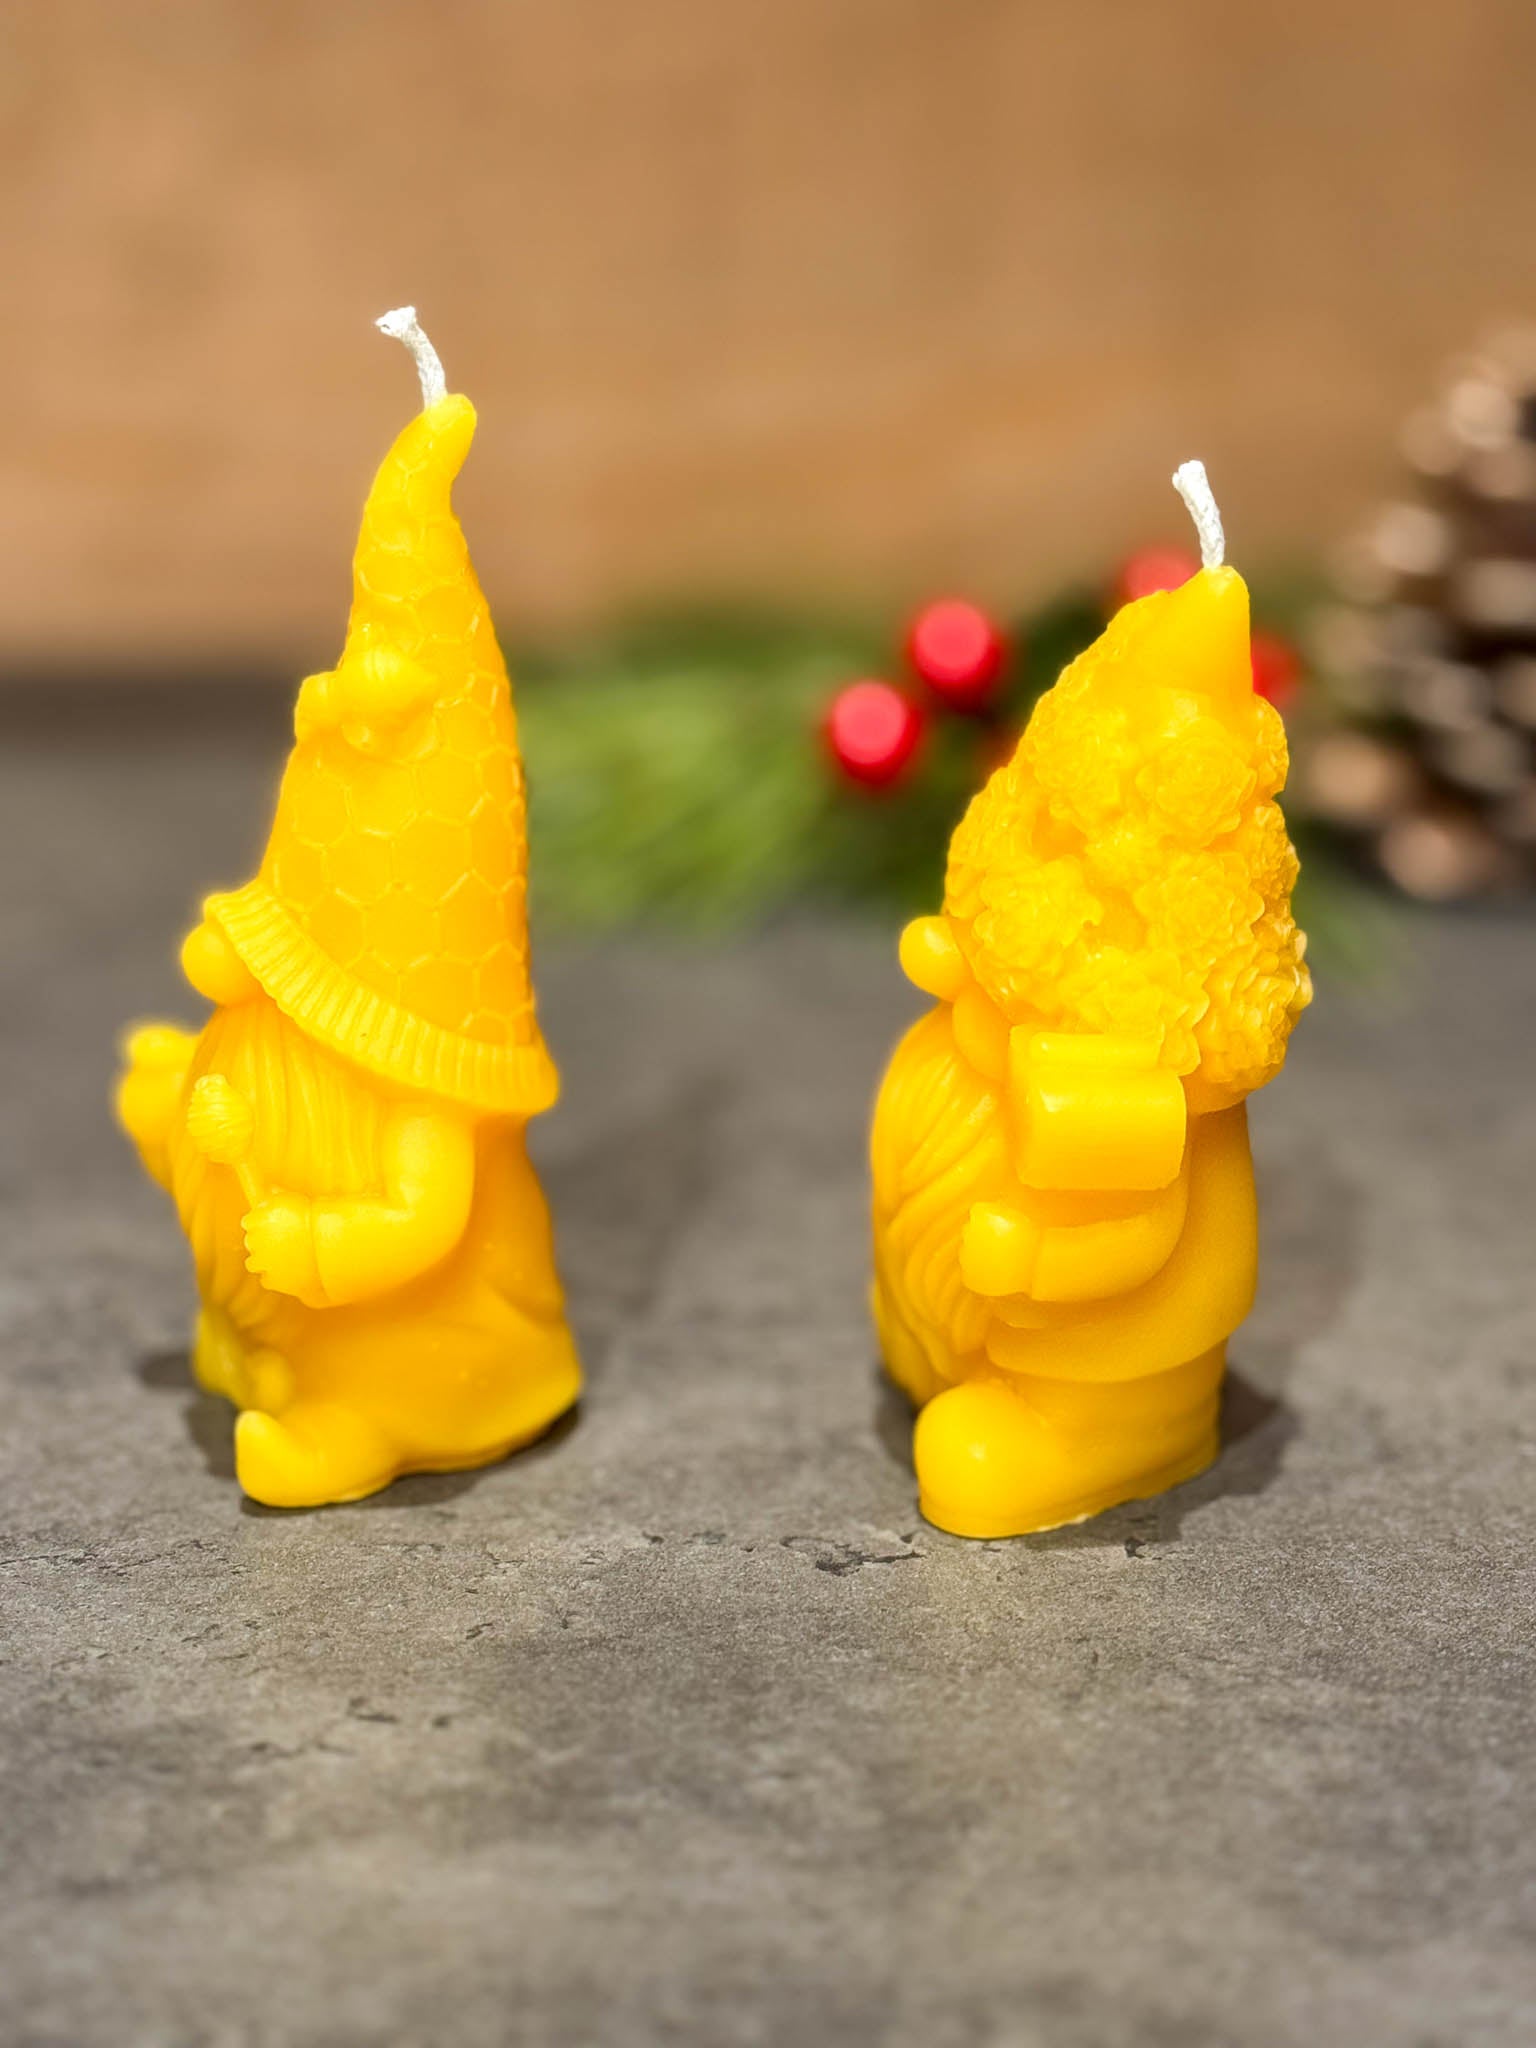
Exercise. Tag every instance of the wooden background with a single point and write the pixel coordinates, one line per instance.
(795, 299)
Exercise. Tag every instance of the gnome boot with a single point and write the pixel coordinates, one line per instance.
(343, 1139)
(314, 1453)
(1008, 1457)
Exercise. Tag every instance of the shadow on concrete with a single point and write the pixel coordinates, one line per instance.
(430, 1489)
(893, 1419)
(1309, 1256)
(210, 1422)
(620, 1205)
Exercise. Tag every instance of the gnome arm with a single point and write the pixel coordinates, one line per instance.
(150, 1089)
(1093, 1112)
(328, 1251)
(1007, 1250)
(367, 1247)
(1098, 1147)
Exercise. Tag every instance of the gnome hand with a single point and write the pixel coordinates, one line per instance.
(280, 1247)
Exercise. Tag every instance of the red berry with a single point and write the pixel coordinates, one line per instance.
(1276, 668)
(958, 651)
(873, 731)
(1152, 569)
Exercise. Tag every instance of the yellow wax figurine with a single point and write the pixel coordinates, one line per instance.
(1063, 1195)
(343, 1139)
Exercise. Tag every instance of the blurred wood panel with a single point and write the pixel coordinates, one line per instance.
(832, 299)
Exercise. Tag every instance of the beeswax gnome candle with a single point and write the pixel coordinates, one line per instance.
(1063, 1196)
(343, 1139)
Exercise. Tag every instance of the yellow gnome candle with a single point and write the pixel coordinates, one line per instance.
(343, 1139)
(1063, 1195)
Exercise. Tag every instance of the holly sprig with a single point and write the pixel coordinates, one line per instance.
(711, 771)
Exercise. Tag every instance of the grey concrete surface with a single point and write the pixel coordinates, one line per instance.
(682, 1728)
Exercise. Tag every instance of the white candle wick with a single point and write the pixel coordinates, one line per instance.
(403, 325)
(1193, 486)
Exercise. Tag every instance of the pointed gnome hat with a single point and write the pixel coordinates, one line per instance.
(1128, 871)
(389, 917)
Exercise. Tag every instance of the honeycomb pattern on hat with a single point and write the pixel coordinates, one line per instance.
(410, 874)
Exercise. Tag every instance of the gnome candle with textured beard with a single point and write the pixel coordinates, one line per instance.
(1064, 1206)
(343, 1139)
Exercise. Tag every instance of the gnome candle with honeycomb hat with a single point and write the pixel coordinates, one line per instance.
(1064, 1206)
(343, 1139)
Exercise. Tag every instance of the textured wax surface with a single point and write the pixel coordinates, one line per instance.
(373, 1254)
(685, 1731)
(399, 848)
(1128, 870)
(1062, 1184)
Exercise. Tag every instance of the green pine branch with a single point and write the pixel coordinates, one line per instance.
(678, 776)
